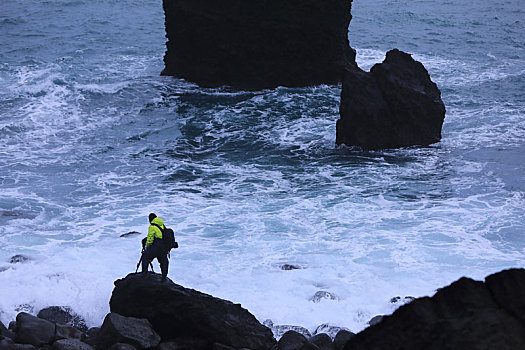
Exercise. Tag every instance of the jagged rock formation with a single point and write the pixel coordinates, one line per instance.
(256, 44)
(467, 314)
(394, 105)
(186, 316)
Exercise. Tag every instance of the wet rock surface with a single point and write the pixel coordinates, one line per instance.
(289, 267)
(19, 258)
(341, 338)
(292, 340)
(63, 315)
(329, 329)
(394, 105)
(256, 44)
(322, 341)
(33, 330)
(130, 330)
(322, 294)
(130, 234)
(175, 311)
(280, 329)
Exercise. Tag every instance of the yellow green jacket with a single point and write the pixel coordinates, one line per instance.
(154, 231)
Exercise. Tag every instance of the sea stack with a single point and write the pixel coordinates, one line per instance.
(394, 105)
(256, 44)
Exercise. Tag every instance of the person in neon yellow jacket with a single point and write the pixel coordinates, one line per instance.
(154, 248)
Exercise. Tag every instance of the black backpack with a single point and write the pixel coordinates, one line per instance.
(168, 237)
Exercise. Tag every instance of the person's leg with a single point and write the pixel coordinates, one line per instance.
(164, 263)
(147, 257)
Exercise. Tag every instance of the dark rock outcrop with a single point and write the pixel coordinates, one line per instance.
(67, 332)
(322, 341)
(375, 320)
(292, 340)
(130, 330)
(33, 330)
(6, 333)
(175, 311)
(63, 315)
(394, 105)
(256, 44)
(341, 338)
(467, 314)
(91, 336)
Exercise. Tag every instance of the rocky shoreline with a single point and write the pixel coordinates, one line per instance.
(148, 314)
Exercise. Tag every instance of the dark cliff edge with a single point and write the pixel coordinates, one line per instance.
(256, 44)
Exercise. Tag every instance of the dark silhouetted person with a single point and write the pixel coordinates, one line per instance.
(154, 247)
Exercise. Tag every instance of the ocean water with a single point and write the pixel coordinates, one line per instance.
(92, 140)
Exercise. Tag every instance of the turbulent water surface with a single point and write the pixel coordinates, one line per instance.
(92, 140)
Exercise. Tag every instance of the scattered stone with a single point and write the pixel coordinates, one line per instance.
(9, 344)
(341, 338)
(394, 105)
(71, 344)
(129, 234)
(8, 334)
(119, 329)
(63, 315)
(328, 329)
(25, 308)
(175, 311)
(3, 329)
(292, 340)
(402, 301)
(122, 346)
(91, 336)
(322, 294)
(467, 314)
(19, 258)
(279, 330)
(322, 341)
(395, 299)
(67, 332)
(11, 214)
(16, 214)
(288, 267)
(375, 320)
(33, 330)
(256, 44)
